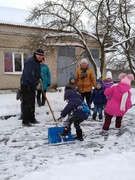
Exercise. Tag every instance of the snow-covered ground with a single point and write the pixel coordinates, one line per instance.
(26, 155)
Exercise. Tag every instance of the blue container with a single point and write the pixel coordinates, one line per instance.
(54, 138)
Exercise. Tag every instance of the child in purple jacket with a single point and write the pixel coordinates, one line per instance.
(108, 82)
(75, 111)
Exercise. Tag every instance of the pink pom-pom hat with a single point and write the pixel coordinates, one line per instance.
(126, 78)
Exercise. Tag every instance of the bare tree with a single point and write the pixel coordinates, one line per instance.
(103, 16)
(124, 35)
(67, 15)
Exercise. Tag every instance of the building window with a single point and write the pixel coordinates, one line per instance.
(17, 62)
(95, 54)
(8, 62)
(14, 62)
(66, 51)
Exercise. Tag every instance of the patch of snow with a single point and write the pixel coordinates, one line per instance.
(26, 155)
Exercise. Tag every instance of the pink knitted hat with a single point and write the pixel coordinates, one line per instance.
(126, 78)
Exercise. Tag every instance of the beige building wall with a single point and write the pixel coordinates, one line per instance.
(15, 38)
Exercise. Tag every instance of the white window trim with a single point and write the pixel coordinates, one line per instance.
(13, 62)
(13, 73)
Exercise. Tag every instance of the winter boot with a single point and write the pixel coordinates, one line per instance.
(34, 121)
(43, 102)
(118, 131)
(79, 135)
(27, 124)
(94, 117)
(39, 103)
(100, 117)
(65, 132)
(104, 133)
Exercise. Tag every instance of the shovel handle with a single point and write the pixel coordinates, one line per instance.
(49, 107)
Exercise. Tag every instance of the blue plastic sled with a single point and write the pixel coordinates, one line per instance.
(54, 138)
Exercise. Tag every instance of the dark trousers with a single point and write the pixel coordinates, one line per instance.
(28, 104)
(76, 120)
(21, 106)
(86, 95)
(72, 119)
(108, 121)
(40, 100)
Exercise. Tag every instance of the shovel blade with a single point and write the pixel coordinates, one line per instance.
(53, 135)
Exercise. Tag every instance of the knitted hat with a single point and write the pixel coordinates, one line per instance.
(84, 61)
(72, 77)
(109, 75)
(99, 82)
(126, 78)
(39, 52)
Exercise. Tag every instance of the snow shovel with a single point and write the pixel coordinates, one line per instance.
(53, 132)
(49, 107)
(54, 138)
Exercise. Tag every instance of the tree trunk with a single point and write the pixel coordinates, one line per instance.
(102, 59)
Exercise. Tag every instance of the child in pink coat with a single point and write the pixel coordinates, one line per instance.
(120, 100)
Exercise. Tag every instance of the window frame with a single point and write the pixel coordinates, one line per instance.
(13, 62)
(95, 49)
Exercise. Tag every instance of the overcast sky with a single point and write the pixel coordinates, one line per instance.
(21, 4)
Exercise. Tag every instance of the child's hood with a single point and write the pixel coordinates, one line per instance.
(71, 94)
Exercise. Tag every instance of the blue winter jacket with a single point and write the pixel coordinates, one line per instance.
(31, 72)
(74, 105)
(46, 76)
(98, 97)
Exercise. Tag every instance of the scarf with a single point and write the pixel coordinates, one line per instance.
(123, 101)
(83, 73)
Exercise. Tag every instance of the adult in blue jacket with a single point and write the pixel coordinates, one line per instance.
(29, 81)
(75, 112)
(46, 82)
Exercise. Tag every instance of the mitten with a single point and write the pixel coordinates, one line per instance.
(39, 86)
(60, 119)
(40, 80)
